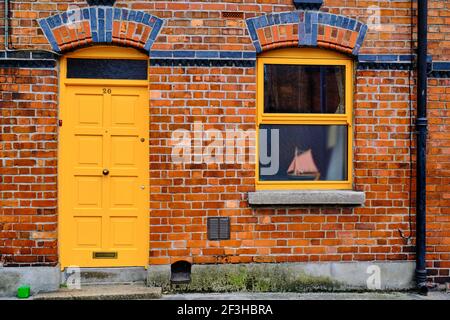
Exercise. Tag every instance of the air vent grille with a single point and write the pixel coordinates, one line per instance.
(232, 15)
(218, 228)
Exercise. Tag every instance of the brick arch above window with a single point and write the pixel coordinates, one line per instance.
(77, 28)
(306, 28)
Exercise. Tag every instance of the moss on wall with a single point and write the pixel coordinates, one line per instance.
(244, 278)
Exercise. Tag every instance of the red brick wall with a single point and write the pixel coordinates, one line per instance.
(224, 97)
(438, 173)
(184, 195)
(199, 25)
(28, 166)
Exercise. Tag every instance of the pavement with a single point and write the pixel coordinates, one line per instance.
(437, 295)
(142, 292)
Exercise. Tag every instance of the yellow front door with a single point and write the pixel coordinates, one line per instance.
(103, 178)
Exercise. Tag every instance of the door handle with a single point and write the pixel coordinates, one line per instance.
(105, 172)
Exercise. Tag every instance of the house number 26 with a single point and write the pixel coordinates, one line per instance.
(106, 91)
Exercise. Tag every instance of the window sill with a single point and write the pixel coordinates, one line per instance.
(306, 197)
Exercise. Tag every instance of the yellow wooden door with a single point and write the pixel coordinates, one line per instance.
(104, 190)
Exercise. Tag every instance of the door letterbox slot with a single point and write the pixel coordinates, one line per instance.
(104, 255)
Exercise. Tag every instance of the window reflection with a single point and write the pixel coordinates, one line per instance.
(304, 89)
(306, 152)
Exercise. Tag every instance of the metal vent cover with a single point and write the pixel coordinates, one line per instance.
(218, 228)
(101, 2)
(233, 14)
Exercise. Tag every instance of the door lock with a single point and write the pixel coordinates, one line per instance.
(105, 172)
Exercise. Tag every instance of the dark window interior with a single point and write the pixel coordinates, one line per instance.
(304, 89)
(123, 69)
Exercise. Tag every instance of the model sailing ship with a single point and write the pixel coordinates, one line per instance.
(303, 166)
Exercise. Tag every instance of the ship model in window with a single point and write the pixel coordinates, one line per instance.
(303, 166)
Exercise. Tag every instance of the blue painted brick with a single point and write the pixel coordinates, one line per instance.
(314, 30)
(57, 20)
(132, 15)
(345, 23)
(351, 24)
(148, 44)
(406, 57)
(339, 21)
(262, 20)
(251, 30)
(367, 57)
(308, 23)
(301, 16)
(139, 16)
(284, 17)
(101, 13)
(326, 18)
(256, 23)
(124, 14)
(155, 30)
(146, 19)
(94, 36)
(231, 54)
(333, 20)
(249, 55)
(161, 54)
(362, 35)
(109, 19)
(441, 66)
(207, 54)
(257, 46)
(50, 22)
(184, 54)
(117, 14)
(101, 30)
(301, 33)
(64, 16)
(93, 18)
(276, 18)
(295, 17)
(270, 20)
(388, 57)
(108, 36)
(320, 17)
(86, 13)
(152, 21)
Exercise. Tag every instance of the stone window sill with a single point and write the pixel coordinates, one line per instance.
(306, 197)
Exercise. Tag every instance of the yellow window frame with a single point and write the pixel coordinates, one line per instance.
(306, 56)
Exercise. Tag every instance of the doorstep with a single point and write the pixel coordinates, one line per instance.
(103, 292)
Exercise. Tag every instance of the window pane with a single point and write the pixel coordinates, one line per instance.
(304, 89)
(303, 152)
(107, 69)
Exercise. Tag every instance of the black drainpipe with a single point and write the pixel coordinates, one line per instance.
(6, 24)
(421, 126)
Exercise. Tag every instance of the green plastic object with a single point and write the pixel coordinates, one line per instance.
(23, 292)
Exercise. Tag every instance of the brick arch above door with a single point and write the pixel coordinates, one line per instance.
(305, 28)
(73, 29)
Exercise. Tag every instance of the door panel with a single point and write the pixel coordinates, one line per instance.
(104, 211)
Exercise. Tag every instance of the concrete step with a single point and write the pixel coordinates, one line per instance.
(101, 276)
(103, 292)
